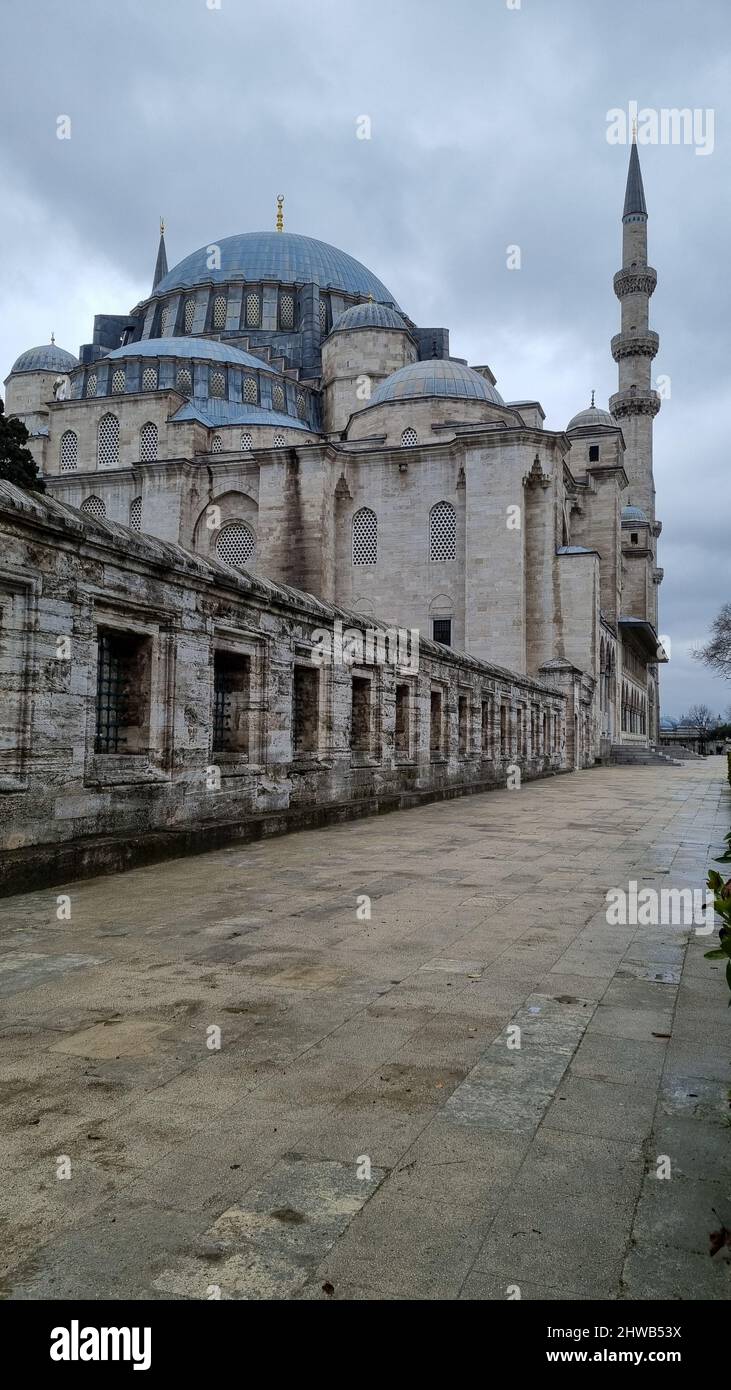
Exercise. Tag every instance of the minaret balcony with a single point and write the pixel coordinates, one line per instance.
(634, 402)
(635, 279)
(645, 344)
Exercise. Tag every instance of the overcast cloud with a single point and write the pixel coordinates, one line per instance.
(488, 130)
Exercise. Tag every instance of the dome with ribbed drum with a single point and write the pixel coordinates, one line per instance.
(436, 377)
(46, 358)
(285, 258)
(369, 315)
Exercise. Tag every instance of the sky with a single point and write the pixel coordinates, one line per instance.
(488, 124)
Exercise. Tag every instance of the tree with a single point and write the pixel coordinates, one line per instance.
(716, 652)
(17, 464)
(702, 720)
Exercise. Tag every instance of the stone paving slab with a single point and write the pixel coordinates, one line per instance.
(260, 1093)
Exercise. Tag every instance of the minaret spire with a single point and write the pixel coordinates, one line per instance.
(280, 212)
(161, 264)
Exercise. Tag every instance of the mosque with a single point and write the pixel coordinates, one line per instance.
(273, 411)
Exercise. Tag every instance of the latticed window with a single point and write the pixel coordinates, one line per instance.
(365, 537)
(278, 396)
(189, 314)
(149, 379)
(108, 441)
(253, 311)
(135, 514)
(217, 444)
(184, 380)
(91, 384)
(122, 692)
(94, 507)
(148, 442)
(219, 311)
(279, 441)
(246, 441)
(217, 384)
(251, 394)
(69, 451)
(301, 405)
(118, 379)
(286, 311)
(323, 317)
(409, 438)
(166, 321)
(235, 544)
(443, 532)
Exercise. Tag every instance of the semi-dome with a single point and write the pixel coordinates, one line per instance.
(207, 349)
(369, 315)
(283, 257)
(631, 513)
(46, 358)
(590, 419)
(436, 377)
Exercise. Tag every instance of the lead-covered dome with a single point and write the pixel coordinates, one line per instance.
(590, 419)
(46, 358)
(631, 513)
(369, 315)
(283, 257)
(207, 349)
(436, 377)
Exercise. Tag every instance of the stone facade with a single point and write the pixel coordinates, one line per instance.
(155, 701)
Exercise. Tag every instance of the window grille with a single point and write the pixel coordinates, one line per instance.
(443, 532)
(118, 381)
(442, 631)
(302, 405)
(189, 313)
(108, 441)
(323, 318)
(219, 311)
(94, 506)
(365, 537)
(217, 384)
(69, 451)
(286, 311)
(279, 441)
(253, 311)
(251, 394)
(148, 442)
(91, 384)
(217, 444)
(235, 544)
(278, 402)
(135, 514)
(184, 381)
(149, 379)
(246, 441)
(409, 438)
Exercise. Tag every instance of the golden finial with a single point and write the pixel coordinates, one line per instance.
(162, 226)
(280, 213)
(53, 340)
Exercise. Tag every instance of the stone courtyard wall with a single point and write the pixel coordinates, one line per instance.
(306, 741)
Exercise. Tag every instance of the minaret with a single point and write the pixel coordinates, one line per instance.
(161, 264)
(636, 404)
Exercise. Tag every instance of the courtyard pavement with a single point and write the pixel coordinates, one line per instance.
(232, 1076)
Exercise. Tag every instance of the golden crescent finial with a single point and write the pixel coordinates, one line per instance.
(280, 212)
(162, 225)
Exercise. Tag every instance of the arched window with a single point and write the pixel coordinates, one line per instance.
(166, 321)
(286, 311)
(118, 381)
(184, 381)
(217, 384)
(91, 384)
(278, 441)
(135, 514)
(219, 311)
(108, 442)
(409, 438)
(246, 440)
(365, 537)
(250, 393)
(443, 532)
(69, 454)
(253, 311)
(301, 405)
(235, 544)
(188, 316)
(148, 442)
(149, 379)
(323, 317)
(217, 444)
(278, 402)
(94, 506)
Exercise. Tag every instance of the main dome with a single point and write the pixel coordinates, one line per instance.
(436, 377)
(283, 257)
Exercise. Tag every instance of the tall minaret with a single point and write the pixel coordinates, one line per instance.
(161, 264)
(636, 404)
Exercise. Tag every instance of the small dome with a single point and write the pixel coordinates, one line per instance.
(590, 419)
(436, 377)
(205, 349)
(47, 358)
(369, 315)
(634, 514)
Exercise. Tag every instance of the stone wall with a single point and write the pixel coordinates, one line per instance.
(202, 648)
